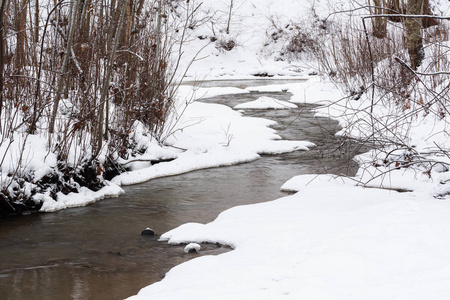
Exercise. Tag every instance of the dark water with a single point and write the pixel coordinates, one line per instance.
(97, 252)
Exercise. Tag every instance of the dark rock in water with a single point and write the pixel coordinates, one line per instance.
(148, 231)
(114, 253)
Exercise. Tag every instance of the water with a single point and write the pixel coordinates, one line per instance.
(97, 252)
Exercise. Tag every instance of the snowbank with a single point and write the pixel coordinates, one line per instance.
(253, 27)
(329, 241)
(266, 103)
(214, 135)
(333, 239)
(202, 136)
(314, 90)
(84, 197)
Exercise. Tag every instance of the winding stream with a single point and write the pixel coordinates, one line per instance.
(97, 252)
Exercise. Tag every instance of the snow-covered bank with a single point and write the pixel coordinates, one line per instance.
(329, 241)
(197, 141)
(204, 136)
(84, 197)
(259, 31)
(333, 239)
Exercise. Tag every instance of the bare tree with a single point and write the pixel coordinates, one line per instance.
(113, 44)
(379, 24)
(20, 18)
(230, 14)
(413, 28)
(65, 67)
(2, 54)
(87, 74)
(391, 74)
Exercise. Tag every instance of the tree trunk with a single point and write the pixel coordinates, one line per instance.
(21, 35)
(230, 13)
(127, 24)
(2, 54)
(36, 22)
(428, 22)
(413, 28)
(379, 25)
(395, 7)
(106, 80)
(65, 67)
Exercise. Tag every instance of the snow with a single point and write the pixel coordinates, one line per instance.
(36, 159)
(332, 239)
(266, 103)
(213, 135)
(192, 247)
(296, 183)
(336, 237)
(336, 241)
(203, 135)
(187, 92)
(251, 24)
(315, 90)
(84, 197)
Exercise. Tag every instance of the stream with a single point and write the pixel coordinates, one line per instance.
(97, 252)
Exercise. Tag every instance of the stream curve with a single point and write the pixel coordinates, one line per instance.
(97, 252)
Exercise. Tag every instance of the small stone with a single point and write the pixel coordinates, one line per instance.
(192, 248)
(148, 231)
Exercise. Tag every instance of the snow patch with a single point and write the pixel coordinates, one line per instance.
(83, 198)
(192, 247)
(266, 103)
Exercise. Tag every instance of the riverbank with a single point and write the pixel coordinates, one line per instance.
(204, 135)
(336, 237)
(97, 252)
(49, 186)
(332, 239)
